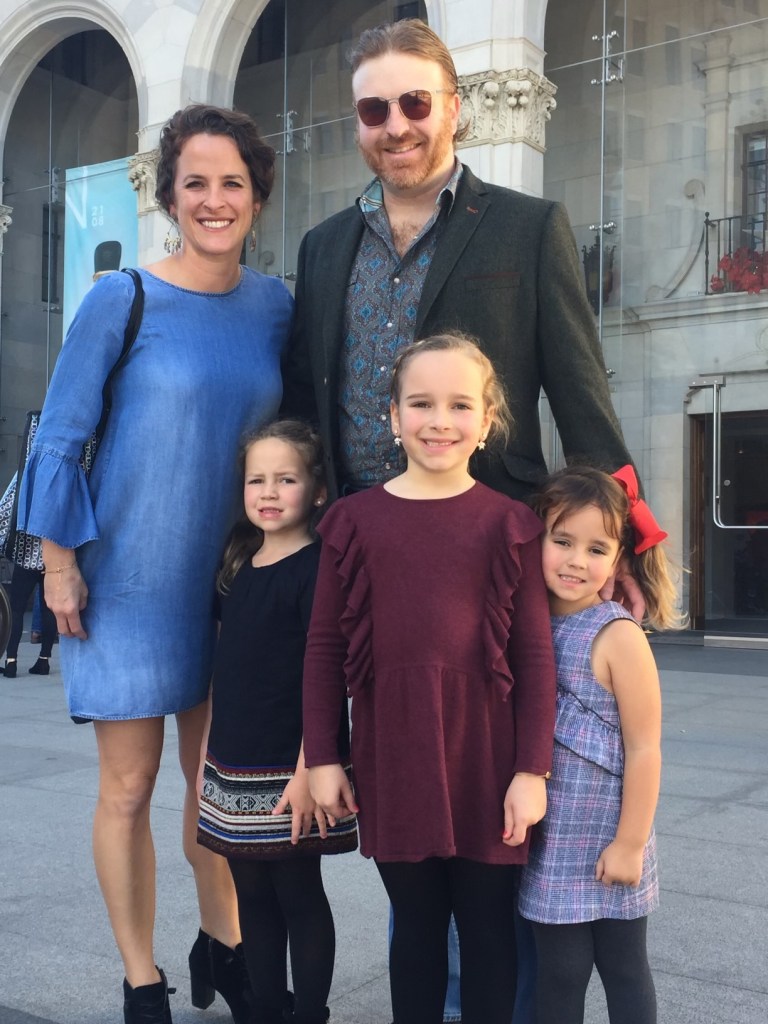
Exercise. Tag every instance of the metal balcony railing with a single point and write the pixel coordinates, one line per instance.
(735, 258)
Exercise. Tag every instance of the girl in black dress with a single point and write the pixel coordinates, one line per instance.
(256, 808)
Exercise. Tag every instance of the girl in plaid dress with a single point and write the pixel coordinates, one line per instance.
(591, 877)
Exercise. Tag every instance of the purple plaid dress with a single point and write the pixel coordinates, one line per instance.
(584, 795)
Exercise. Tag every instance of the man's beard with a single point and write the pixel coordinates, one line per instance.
(431, 155)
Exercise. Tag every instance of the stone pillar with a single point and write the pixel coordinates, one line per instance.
(498, 49)
(717, 68)
(5, 222)
(507, 112)
(153, 225)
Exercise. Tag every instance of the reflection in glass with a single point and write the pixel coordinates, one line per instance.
(298, 88)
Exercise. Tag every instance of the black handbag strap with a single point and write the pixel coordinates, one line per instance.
(131, 330)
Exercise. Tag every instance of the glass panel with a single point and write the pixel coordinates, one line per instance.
(78, 107)
(303, 103)
(651, 150)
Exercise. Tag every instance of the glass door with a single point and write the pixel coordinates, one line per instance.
(733, 597)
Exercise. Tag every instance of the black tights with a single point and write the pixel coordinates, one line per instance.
(23, 582)
(481, 897)
(565, 954)
(281, 902)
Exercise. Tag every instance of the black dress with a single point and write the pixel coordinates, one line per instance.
(256, 727)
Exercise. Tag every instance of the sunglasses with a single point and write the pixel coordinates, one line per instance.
(373, 111)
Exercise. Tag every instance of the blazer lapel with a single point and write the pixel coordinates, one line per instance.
(469, 207)
(340, 248)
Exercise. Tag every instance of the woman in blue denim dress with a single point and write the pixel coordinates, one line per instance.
(131, 552)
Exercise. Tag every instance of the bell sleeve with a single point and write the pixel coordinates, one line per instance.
(54, 499)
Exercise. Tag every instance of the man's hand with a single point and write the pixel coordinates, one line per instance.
(622, 587)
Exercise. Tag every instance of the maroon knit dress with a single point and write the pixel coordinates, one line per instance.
(433, 616)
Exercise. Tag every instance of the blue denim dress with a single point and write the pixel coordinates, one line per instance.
(150, 522)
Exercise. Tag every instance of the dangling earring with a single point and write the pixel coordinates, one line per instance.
(172, 242)
(252, 242)
(398, 440)
(481, 444)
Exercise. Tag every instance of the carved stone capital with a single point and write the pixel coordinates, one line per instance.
(506, 106)
(142, 174)
(5, 222)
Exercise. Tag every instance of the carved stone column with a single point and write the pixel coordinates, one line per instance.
(507, 106)
(5, 222)
(142, 174)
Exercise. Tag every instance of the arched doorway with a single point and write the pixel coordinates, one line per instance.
(73, 123)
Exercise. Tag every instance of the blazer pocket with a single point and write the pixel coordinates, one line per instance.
(495, 280)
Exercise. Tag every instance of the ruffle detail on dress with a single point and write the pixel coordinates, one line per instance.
(520, 527)
(583, 731)
(340, 534)
(54, 501)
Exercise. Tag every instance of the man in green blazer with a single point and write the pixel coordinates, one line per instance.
(431, 248)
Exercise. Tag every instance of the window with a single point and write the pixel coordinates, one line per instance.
(754, 183)
(50, 253)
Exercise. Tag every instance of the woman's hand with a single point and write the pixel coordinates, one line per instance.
(620, 863)
(524, 804)
(330, 788)
(304, 810)
(67, 595)
(65, 591)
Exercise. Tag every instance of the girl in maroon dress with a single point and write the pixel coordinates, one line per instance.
(431, 613)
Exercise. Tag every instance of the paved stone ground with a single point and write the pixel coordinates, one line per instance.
(708, 942)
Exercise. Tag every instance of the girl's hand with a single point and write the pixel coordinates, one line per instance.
(525, 803)
(330, 788)
(620, 864)
(303, 808)
(66, 595)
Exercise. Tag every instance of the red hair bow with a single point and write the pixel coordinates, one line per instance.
(648, 533)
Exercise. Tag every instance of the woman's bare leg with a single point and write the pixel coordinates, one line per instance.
(129, 758)
(215, 888)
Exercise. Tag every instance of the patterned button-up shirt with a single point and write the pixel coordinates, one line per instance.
(380, 318)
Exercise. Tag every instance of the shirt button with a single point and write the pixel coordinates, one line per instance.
(383, 418)
(396, 280)
(387, 466)
(390, 324)
(383, 369)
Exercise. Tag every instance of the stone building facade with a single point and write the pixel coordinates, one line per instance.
(647, 118)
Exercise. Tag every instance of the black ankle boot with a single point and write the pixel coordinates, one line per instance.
(10, 668)
(322, 1018)
(40, 668)
(147, 1004)
(214, 967)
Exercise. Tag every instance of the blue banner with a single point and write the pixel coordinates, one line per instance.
(101, 231)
